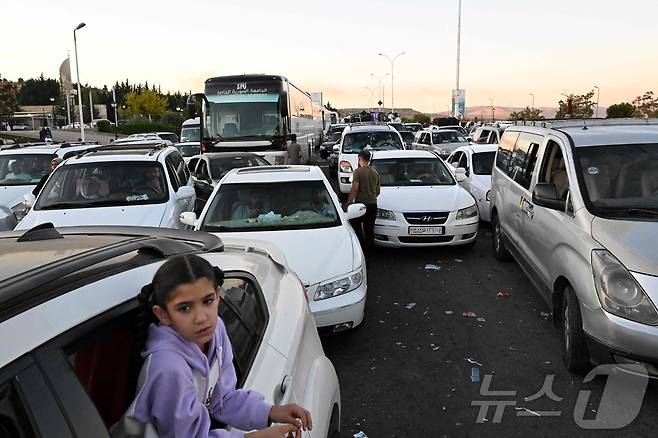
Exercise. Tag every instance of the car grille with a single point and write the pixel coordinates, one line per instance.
(431, 218)
(425, 239)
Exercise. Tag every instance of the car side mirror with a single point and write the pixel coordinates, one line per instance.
(28, 200)
(460, 176)
(188, 218)
(355, 210)
(545, 195)
(185, 192)
(336, 148)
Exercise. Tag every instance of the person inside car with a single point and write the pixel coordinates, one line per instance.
(53, 165)
(93, 187)
(188, 377)
(320, 203)
(248, 210)
(17, 172)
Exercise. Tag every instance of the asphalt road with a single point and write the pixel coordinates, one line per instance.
(405, 371)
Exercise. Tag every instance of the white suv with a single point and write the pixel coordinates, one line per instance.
(21, 168)
(139, 184)
(295, 208)
(357, 137)
(72, 326)
(575, 202)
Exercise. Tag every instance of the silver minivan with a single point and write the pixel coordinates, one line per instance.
(576, 204)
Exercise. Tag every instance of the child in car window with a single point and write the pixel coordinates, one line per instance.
(188, 376)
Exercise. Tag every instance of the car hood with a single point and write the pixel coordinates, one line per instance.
(327, 253)
(138, 215)
(634, 243)
(422, 199)
(12, 195)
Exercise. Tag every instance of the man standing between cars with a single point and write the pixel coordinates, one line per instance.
(294, 153)
(366, 186)
(53, 165)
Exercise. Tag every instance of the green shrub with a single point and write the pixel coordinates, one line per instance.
(140, 126)
(105, 126)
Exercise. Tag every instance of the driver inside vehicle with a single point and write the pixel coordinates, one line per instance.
(152, 181)
(320, 203)
(17, 172)
(420, 171)
(248, 210)
(386, 139)
(93, 187)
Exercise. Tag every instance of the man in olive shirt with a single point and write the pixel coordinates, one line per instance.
(365, 189)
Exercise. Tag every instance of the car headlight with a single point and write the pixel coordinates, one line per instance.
(333, 288)
(386, 215)
(619, 292)
(345, 167)
(488, 195)
(467, 213)
(19, 210)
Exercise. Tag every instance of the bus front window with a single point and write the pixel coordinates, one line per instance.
(244, 116)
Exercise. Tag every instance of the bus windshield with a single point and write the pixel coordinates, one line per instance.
(244, 116)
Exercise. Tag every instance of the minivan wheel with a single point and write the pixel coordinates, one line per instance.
(500, 252)
(574, 347)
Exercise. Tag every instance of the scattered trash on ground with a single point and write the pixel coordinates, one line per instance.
(544, 314)
(503, 294)
(435, 348)
(529, 412)
(469, 315)
(458, 260)
(431, 267)
(475, 375)
(410, 306)
(381, 322)
(361, 434)
(449, 312)
(471, 361)
(482, 319)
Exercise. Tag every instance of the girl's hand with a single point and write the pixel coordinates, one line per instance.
(283, 431)
(292, 414)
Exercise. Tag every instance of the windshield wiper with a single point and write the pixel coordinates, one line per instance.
(63, 205)
(625, 212)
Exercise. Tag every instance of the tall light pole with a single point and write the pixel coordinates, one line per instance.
(459, 40)
(372, 97)
(77, 71)
(598, 94)
(533, 101)
(492, 109)
(392, 61)
(52, 104)
(381, 89)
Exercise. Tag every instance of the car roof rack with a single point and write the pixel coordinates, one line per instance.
(69, 144)
(152, 147)
(579, 123)
(31, 288)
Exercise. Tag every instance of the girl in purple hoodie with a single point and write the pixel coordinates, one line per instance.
(188, 375)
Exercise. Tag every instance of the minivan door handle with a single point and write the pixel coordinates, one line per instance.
(281, 391)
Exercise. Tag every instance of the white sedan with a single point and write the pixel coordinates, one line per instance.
(420, 203)
(295, 209)
(476, 162)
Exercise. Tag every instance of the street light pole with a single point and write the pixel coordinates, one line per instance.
(459, 40)
(77, 71)
(492, 109)
(392, 61)
(381, 88)
(598, 94)
(533, 101)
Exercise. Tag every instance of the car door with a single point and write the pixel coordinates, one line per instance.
(203, 185)
(28, 408)
(521, 171)
(180, 179)
(546, 229)
(464, 163)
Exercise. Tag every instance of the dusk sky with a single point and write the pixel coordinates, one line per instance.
(509, 48)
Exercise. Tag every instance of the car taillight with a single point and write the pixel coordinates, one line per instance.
(345, 167)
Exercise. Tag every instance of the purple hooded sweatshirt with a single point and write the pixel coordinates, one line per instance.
(181, 388)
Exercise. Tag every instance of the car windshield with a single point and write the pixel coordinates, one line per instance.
(335, 137)
(23, 169)
(188, 150)
(483, 162)
(271, 206)
(412, 172)
(104, 184)
(621, 180)
(219, 166)
(190, 133)
(440, 137)
(169, 136)
(379, 141)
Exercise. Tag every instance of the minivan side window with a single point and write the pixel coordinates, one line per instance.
(505, 148)
(484, 137)
(524, 158)
(553, 169)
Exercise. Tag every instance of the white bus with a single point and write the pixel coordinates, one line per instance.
(260, 113)
(190, 130)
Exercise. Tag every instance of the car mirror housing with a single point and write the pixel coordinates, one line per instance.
(29, 199)
(545, 195)
(189, 218)
(355, 211)
(460, 176)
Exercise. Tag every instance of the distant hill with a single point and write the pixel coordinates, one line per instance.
(481, 112)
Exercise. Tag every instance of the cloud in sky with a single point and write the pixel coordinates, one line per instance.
(510, 48)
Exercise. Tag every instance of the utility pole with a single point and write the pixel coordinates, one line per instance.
(598, 94)
(91, 108)
(77, 70)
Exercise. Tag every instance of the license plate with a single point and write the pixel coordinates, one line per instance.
(439, 231)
